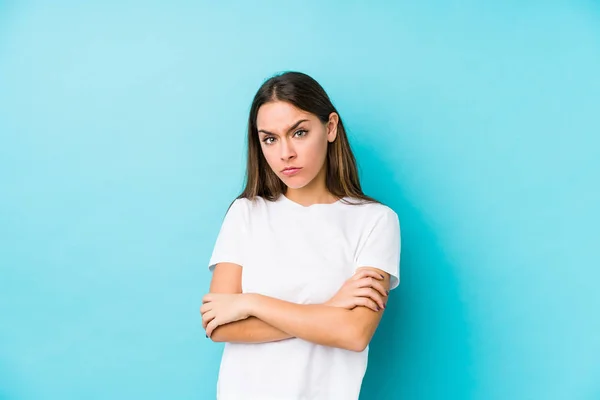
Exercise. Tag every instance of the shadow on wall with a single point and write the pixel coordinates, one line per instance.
(421, 348)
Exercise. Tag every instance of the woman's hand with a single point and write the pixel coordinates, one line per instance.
(222, 308)
(363, 289)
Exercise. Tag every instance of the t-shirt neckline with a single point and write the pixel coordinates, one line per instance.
(285, 199)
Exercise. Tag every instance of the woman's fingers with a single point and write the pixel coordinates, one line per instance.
(205, 307)
(211, 326)
(207, 317)
(364, 273)
(366, 302)
(375, 284)
(371, 294)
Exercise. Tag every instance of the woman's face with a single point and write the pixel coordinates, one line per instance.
(294, 142)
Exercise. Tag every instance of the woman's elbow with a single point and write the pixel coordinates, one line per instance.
(359, 345)
(356, 340)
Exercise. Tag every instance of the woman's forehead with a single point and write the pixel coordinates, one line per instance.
(279, 114)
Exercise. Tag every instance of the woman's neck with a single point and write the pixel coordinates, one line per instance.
(311, 194)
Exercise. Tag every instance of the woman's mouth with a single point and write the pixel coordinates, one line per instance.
(291, 171)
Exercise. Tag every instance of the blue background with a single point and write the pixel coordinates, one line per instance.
(122, 143)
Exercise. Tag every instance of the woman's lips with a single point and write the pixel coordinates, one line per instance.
(291, 171)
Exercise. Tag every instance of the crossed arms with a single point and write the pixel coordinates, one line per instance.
(348, 320)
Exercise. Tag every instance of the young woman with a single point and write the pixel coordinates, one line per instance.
(304, 261)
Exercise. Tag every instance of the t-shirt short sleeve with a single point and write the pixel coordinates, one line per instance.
(229, 246)
(381, 248)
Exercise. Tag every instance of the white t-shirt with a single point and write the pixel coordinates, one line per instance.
(302, 255)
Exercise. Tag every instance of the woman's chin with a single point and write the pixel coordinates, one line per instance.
(293, 183)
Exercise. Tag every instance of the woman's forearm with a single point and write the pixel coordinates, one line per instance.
(321, 324)
(249, 330)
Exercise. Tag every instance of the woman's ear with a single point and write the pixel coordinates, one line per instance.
(332, 125)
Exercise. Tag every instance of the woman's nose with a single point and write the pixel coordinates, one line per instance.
(287, 151)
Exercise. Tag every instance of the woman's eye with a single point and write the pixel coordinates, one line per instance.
(268, 140)
(300, 133)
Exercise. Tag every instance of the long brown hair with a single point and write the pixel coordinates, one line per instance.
(305, 93)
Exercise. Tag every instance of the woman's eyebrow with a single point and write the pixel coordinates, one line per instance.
(289, 129)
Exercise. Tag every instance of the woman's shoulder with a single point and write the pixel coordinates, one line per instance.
(372, 215)
(374, 208)
(249, 205)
